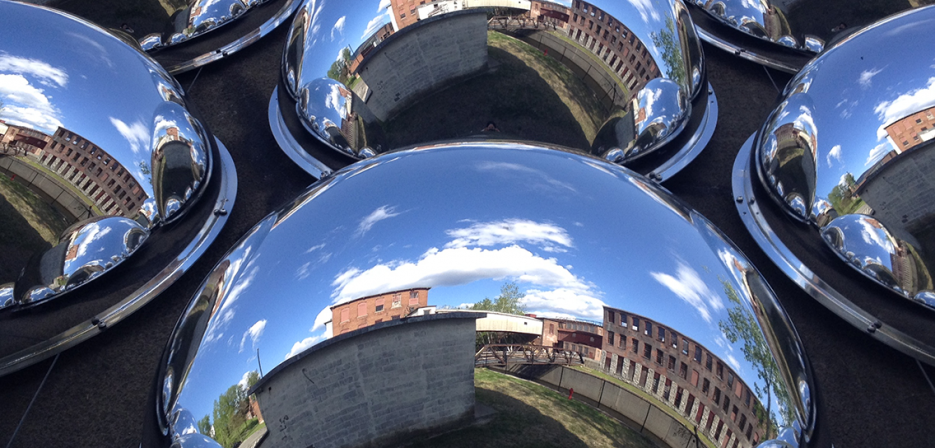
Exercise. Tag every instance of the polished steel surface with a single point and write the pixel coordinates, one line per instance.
(158, 26)
(848, 150)
(98, 152)
(614, 79)
(804, 26)
(765, 236)
(529, 223)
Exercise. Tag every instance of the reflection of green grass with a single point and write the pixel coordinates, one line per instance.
(573, 93)
(42, 217)
(650, 398)
(529, 414)
(62, 183)
(600, 62)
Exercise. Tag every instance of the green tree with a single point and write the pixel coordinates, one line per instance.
(507, 302)
(742, 326)
(204, 425)
(668, 43)
(339, 69)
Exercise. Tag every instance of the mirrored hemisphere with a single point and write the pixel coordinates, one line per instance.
(449, 271)
(613, 79)
(98, 153)
(172, 31)
(848, 153)
(785, 34)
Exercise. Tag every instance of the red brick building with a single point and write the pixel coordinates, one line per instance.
(614, 43)
(684, 375)
(583, 337)
(93, 171)
(912, 130)
(369, 310)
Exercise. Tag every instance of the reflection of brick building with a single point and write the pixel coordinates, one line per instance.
(683, 374)
(550, 12)
(365, 48)
(913, 129)
(93, 171)
(583, 337)
(18, 138)
(614, 43)
(369, 310)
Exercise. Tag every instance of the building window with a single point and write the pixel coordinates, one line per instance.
(675, 339)
(610, 337)
(647, 350)
(730, 379)
(671, 365)
(700, 413)
(362, 309)
(397, 300)
(648, 330)
(717, 432)
(636, 324)
(707, 362)
(623, 320)
(379, 305)
(655, 383)
(697, 357)
(661, 334)
(684, 346)
(743, 420)
(689, 404)
(720, 371)
(683, 371)
(678, 397)
(345, 315)
(705, 385)
(551, 328)
(695, 377)
(665, 392)
(635, 345)
(726, 403)
(658, 356)
(717, 396)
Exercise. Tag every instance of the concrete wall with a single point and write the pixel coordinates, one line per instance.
(63, 199)
(647, 418)
(375, 386)
(423, 57)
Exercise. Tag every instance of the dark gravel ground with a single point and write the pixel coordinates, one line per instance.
(96, 393)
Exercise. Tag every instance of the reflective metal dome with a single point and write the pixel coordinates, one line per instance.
(847, 152)
(614, 79)
(356, 303)
(785, 34)
(173, 31)
(98, 153)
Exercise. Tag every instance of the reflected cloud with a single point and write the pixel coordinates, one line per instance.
(375, 23)
(338, 27)
(835, 154)
(689, 286)
(877, 153)
(137, 134)
(381, 213)
(511, 231)
(28, 104)
(646, 9)
(904, 105)
(866, 78)
(517, 168)
(875, 236)
(304, 344)
(253, 333)
(564, 303)
(23, 66)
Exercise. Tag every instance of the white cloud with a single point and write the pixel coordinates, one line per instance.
(875, 236)
(335, 100)
(646, 9)
(376, 23)
(455, 266)
(383, 5)
(689, 286)
(905, 105)
(542, 180)
(564, 302)
(511, 231)
(338, 27)
(835, 153)
(254, 333)
(866, 78)
(734, 363)
(304, 344)
(381, 213)
(878, 152)
(27, 105)
(137, 135)
(23, 66)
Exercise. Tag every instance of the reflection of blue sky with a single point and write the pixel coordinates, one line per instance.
(99, 87)
(866, 94)
(464, 226)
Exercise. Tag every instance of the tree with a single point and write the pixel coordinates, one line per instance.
(668, 43)
(204, 425)
(742, 326)
(508, 301)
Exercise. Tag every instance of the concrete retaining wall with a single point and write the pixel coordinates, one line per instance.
(375, 386)
(646, 416)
